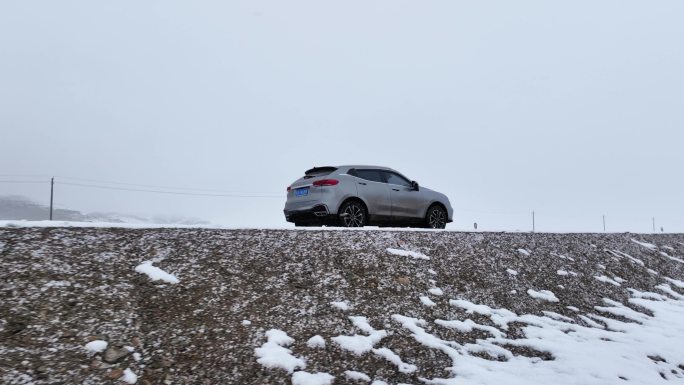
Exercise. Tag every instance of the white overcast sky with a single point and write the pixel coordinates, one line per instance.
(573, 109)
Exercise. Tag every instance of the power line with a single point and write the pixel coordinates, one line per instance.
(158, 186)
(148, 186)
(24, 181)
(235, 195)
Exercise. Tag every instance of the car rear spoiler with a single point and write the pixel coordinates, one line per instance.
(320, 170)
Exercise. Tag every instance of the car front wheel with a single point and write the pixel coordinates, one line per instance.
(436, 217)
(352, 214)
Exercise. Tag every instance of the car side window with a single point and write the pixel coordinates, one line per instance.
(394, 178)
(371, 175)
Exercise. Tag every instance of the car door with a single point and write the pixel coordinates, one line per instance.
(406, 201)
(371, 187)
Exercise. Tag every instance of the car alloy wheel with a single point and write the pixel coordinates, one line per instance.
(353, 215)
(437, 218)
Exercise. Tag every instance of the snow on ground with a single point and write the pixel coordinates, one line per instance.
(468, 326)
(96, 346)
(273, 353)
(155, 273)
(642, 353)
(675, 282)
(306, 378)
(427, 301)
(356, 376)
(511, 272)
(666, 255)
(524, 252)
(605, 279)
(316, 342)
(358, 343)
(394, 358)
(407, 253)
(129, 377)
(647, 245)
(436, 291)
(543, 295)
(620, 254)
(342, 305)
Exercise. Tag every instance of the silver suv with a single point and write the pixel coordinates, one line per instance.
(354, 196)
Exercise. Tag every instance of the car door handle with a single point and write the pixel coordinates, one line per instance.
(395, 189)
(362, 183)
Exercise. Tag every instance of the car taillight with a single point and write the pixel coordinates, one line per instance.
(289, 188)
(326, 182)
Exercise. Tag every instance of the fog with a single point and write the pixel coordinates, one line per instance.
(573, 109)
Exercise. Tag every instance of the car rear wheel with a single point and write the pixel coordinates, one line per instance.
(436, 217)
(352, 214)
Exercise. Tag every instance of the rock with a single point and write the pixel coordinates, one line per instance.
(68, 334)
(115, 354)
(97, 364)
(404, 280)
(115, 374)
(166, 362)
(135, 341)
(95, 337)
(15, 326)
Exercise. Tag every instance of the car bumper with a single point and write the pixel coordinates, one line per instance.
(318, 214)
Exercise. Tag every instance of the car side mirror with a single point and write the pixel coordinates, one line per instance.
(414, 185)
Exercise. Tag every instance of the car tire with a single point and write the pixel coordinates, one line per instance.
(352, 214)
(436, 217)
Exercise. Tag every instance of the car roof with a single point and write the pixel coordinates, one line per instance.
(366, 166)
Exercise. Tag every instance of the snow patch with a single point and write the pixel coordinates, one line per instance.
(306, 378)
(647, 245)
(605, 279)
(155, 273)
(360, 344)
(273, 353)
(356, 376)
(524, 252)
(666, 255)
(675, 282)
(129, 377)
(427, 301)
(543, 295)
(407, 253)
(394, 358)
(511, 272)
(468, 325)
(342, 305)
(316, 342)
(435, 291)
(96, 346)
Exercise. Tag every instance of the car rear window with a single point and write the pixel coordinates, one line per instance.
(318, 171)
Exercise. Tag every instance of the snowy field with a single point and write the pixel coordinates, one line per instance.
(92, 305)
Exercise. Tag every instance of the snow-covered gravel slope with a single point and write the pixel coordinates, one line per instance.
(211, 306)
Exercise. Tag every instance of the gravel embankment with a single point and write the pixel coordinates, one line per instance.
(64, 287)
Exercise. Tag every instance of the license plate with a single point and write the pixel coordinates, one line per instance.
(302, 192)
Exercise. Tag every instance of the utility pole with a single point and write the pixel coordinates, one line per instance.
(533, 226)
(604, 223)
(52, 193)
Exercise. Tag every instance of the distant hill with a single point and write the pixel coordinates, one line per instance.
(15, 207)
